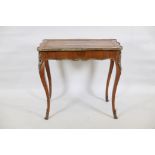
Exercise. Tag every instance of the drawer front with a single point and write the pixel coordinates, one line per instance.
(63, 55)
(80, 54)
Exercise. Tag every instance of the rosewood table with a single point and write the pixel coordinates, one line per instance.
(79, 49)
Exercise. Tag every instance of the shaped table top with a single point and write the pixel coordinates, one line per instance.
(49, 45)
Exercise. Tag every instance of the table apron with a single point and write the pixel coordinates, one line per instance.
(79, 55)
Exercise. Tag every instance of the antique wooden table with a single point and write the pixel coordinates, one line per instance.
(79, 49)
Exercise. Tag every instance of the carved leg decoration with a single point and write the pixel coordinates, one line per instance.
(108, 79)
(43, 80)
(118, 73)
(49, 77)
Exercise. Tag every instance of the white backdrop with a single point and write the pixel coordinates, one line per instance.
(78, 99)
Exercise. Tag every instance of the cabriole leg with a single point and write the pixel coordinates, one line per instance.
(108, 79)
(43, 80)
(49, 77)
(117, 77)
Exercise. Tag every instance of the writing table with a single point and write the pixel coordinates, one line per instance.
(79, 49)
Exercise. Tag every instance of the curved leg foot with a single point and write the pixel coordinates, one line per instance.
(117, 77)
(115, 115)
(108, 79)
(47, 110)
(49, 77)
(43, 80)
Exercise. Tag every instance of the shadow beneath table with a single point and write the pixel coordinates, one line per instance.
(91, 66)
(90, 81)
(82, 103)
